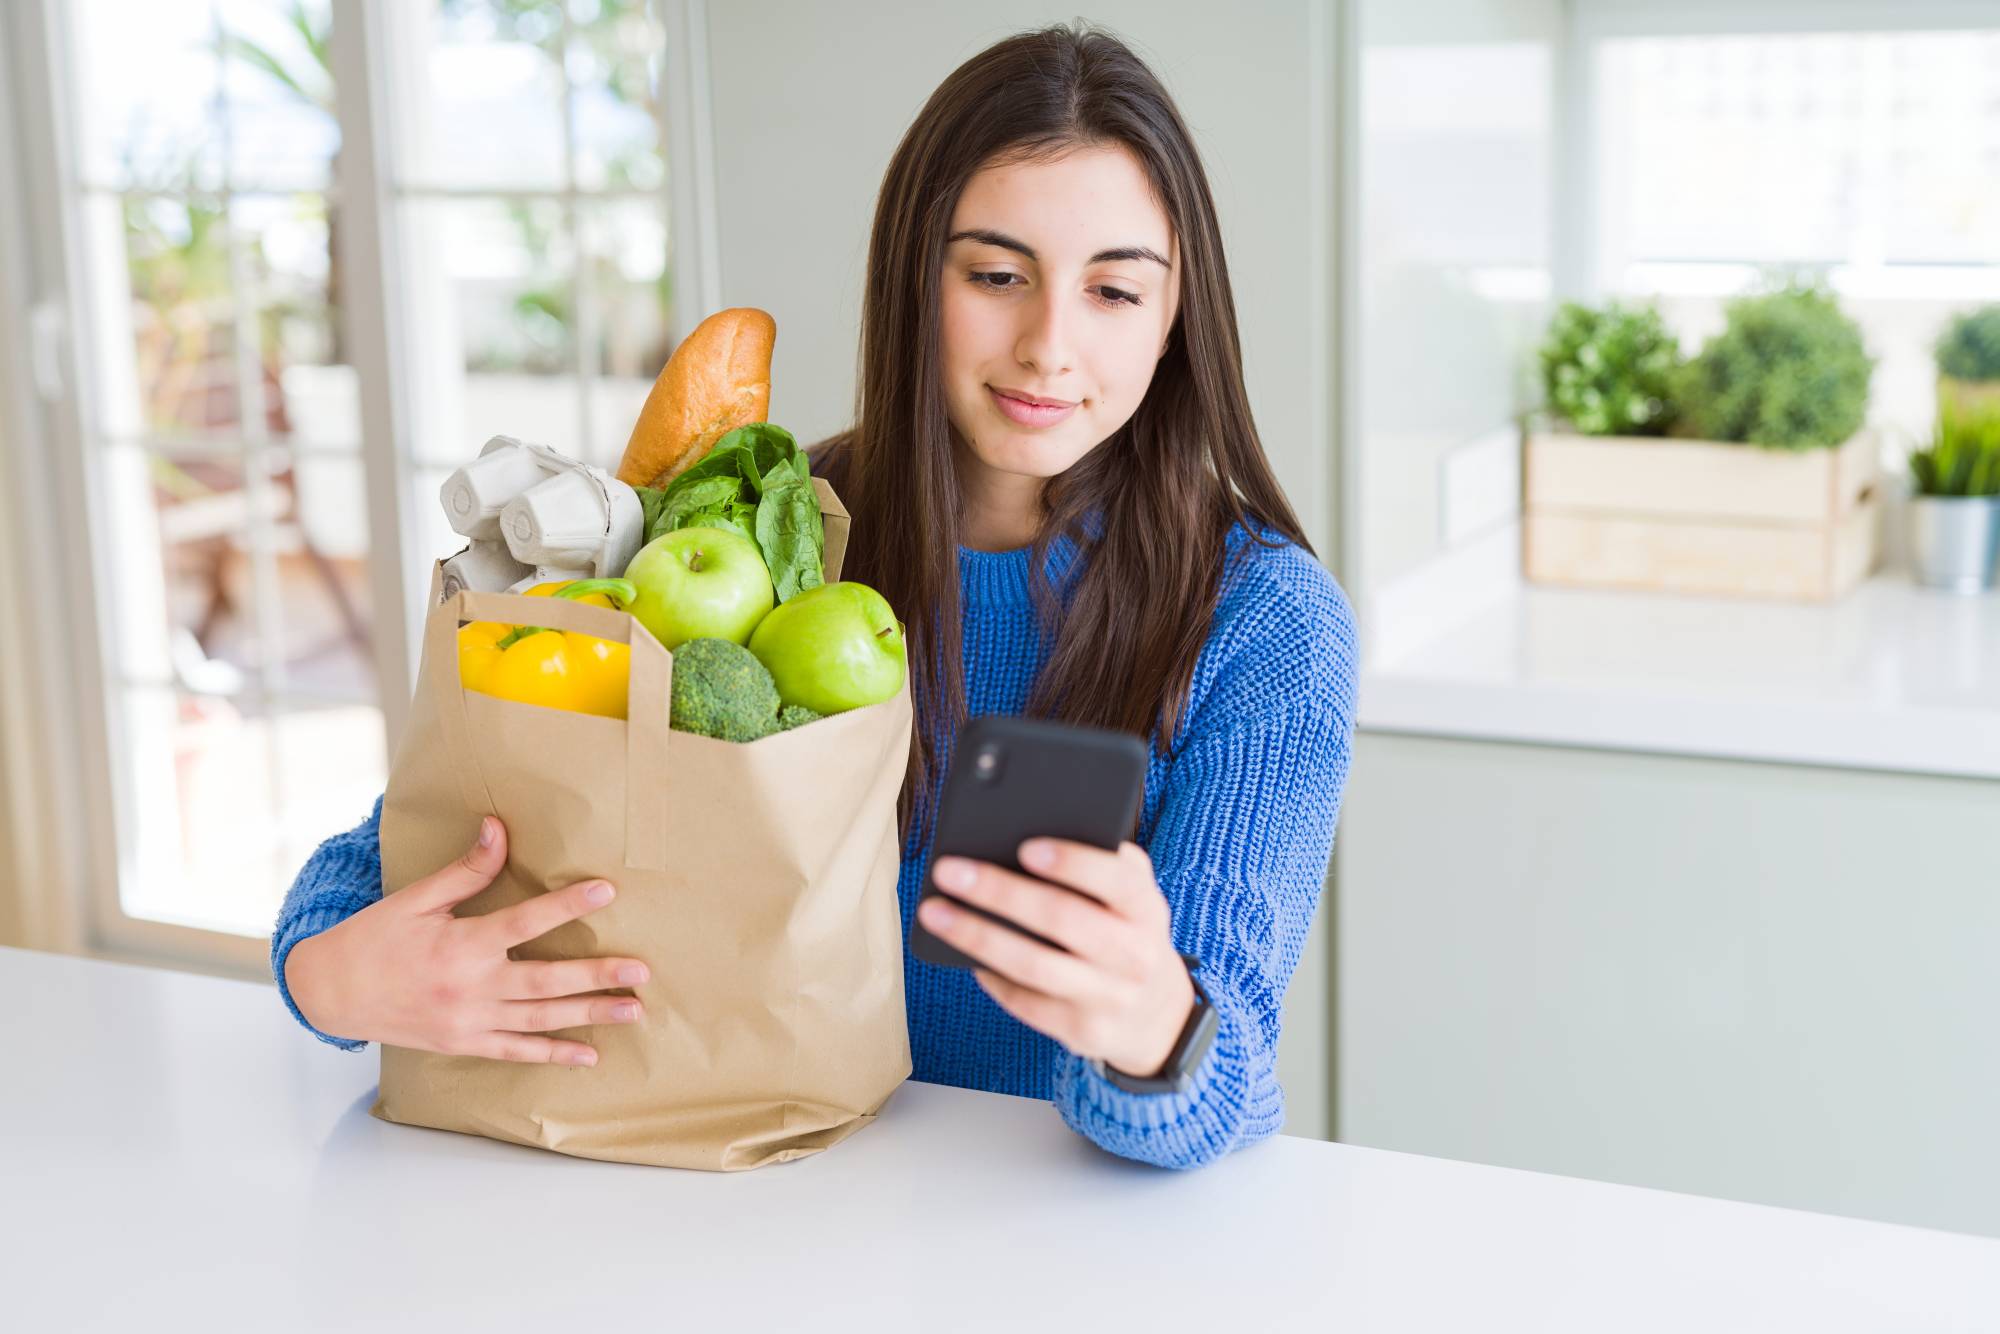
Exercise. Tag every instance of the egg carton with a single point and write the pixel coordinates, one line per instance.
(531, 514)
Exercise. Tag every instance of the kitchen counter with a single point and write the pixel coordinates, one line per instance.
(1892, 677)
(176, 1154)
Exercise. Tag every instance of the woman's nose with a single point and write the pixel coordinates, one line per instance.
(1045, 341)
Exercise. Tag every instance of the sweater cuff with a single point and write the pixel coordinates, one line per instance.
(1174, 1130)
(1145, 1111)
(306, 925)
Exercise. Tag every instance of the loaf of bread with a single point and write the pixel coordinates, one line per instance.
(718, 379)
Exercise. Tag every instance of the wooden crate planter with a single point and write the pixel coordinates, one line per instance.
(1697, 516)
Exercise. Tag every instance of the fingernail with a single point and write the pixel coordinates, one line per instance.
(625, 1012)
(584, 1058)
(1037, 854)
(952, 873)
(599, 894)
(631, 975)
(486, 832)
(938, 913)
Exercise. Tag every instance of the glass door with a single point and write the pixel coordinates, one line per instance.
(239, 439)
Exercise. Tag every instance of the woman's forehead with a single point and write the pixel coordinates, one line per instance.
(1070, 208)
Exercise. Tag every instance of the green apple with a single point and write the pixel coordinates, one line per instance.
(832, 648)
(700, 583)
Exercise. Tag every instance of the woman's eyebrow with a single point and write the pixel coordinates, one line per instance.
(1007, 242)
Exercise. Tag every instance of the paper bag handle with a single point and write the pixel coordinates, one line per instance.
(646, 724)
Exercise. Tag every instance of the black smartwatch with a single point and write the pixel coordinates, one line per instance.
(1195, 1039)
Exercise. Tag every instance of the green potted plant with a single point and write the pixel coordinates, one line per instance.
(1610, 371)
(1955, 513)
(1788, 371)
(1743, 470)
(1968, 359)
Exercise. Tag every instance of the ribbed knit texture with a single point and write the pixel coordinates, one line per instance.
(1239, 828)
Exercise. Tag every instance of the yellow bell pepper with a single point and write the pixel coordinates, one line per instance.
(558, 669)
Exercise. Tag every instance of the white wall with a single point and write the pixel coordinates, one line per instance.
(809, 105)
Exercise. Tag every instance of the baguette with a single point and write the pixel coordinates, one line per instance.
(718, 379)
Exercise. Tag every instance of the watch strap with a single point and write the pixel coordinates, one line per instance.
(1177, 1075)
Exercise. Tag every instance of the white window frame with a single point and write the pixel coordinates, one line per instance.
(58, 783)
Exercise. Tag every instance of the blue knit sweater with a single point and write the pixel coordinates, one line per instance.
(1239, 828)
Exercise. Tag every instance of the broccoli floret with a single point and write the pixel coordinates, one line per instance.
(721, 690)
(796, 715)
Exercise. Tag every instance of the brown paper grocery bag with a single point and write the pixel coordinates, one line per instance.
(757, 880)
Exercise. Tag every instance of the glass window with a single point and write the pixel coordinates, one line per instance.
(526, 181)
(1873, 158)
(243, 698)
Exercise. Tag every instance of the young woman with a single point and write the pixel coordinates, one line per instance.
(1055, 478)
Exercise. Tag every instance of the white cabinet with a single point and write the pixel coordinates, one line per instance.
(1756, 981)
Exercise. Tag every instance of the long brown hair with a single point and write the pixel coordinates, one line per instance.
(1169, 483)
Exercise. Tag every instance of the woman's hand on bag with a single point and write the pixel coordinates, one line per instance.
(1121, 994)
(406, 972)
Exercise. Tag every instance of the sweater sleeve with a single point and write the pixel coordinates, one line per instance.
(343, 876)
(1241, 850)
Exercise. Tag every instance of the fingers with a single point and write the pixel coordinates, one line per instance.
(531, 1049)
(542, 981)
(1080, 925)
(446, 888)
(545, 1016)
(1010, 953)
(542, 914)
(1115, 879)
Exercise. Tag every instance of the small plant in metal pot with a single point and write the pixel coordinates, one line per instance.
(1788, 371)
(1955, 513)
(1609, 370)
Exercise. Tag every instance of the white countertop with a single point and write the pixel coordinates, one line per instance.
(1894, 676)
(175, 1154)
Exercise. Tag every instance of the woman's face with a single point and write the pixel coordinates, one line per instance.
(1061, 281)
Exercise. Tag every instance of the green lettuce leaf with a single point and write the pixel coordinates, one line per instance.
(758, 482)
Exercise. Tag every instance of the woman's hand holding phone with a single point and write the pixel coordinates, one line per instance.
(406, 972)
(1121, 994)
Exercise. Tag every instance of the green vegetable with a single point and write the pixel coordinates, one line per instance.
(721, 690)
(758, 482)
(1970, 347)
(1788, 371)
(1963, 458)
(796, 715)
(1609, 371)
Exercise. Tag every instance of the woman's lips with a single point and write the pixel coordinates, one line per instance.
(1029, 414)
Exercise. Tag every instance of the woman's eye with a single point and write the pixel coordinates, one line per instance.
(1004, 282)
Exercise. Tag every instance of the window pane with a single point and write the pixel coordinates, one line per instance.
(489, 290)
(632, 313)
(177, 569)
(489, 113)
(1860, 148)
(232, 797)
(183, 333)
(229, 582)
(146, 101)
(614, 72)
(323, 580)
(277, 77)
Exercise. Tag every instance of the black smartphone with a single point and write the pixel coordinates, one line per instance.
(1013, 779)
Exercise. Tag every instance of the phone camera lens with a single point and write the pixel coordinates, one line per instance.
(986, 764)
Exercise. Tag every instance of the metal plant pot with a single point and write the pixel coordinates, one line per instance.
(1955, 541)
